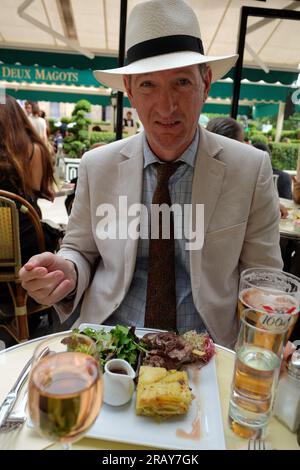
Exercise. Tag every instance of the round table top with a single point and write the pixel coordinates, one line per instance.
(13, 359)
(287, 227)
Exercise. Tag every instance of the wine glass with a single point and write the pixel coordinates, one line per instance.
(65, 387)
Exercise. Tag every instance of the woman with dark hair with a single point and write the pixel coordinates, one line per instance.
(25, 169)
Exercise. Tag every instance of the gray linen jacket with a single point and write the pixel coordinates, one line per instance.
(241, 215)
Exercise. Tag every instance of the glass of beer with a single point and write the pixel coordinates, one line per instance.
(257, 365)
(65, 387)
(274, 294)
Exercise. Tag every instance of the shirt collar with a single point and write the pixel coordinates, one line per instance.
(188, 156)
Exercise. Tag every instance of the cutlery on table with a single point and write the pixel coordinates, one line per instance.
(257, 444)
(12, 425)
(12, 395)
(19, 411)
(17, 417)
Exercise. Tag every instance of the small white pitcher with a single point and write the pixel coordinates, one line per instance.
(118, 382)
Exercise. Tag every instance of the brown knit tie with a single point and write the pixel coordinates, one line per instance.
(160, 309)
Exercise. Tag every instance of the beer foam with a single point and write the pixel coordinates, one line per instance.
(269, 301)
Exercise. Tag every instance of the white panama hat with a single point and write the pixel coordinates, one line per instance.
(163, 35)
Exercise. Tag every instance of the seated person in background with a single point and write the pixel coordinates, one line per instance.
(96, 128)
(128, 121)
(43, 116)
(227, 126)
(34, 116)
(284, 183)
(25, 169)
(58, 139)
(290, 249)
(296, 190)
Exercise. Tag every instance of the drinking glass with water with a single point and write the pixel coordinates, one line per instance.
(257, 364)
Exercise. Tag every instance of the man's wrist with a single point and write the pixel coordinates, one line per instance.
(71, 295)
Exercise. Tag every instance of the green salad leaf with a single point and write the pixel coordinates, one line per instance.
(120, 342)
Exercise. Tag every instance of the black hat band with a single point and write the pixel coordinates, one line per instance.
(164, 45)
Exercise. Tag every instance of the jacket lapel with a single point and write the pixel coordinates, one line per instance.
(130, 184)
(208, 175)
(207, 183)
(206, 189)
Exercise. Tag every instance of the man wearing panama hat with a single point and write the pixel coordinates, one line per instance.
(147, 281)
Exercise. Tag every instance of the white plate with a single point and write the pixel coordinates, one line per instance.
(202, 425)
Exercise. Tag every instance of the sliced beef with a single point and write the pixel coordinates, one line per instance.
(167, 350)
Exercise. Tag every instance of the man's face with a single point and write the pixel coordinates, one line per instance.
(28, 108)
(169, 104)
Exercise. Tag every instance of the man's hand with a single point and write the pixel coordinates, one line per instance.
(283, 211)
(296, 190)
(287, 352)
(48, 278)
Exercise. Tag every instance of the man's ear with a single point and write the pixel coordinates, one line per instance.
(127, 84)
(207, 82)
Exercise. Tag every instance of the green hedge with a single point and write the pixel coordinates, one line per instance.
(51, 122)
(295, 134)
(105, 137)
(74, 149)
(98, 123)
(256, 137)
(272, 133)
(284, 156)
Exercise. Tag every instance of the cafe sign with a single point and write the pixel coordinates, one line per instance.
(48, 75)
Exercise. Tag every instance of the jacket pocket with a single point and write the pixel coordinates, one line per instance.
(225, 233)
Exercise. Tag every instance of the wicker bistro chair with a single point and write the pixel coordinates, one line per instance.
(10, 259)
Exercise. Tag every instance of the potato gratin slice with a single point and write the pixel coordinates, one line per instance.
(162, 393)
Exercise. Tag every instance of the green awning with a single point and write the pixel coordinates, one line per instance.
(56, 59)
(58, 97)
(48, 75)
(75, 69)
(255, 75)
(251, 91)
(78, 61)
(262, 110)
(77, 77)
(215, 108)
